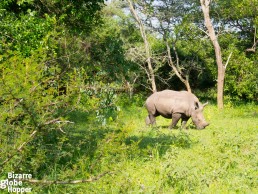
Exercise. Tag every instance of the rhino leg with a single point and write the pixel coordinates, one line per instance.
(184, 121)
(147, 120)
(150, 120)
(175, 119)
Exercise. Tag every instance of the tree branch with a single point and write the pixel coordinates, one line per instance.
(204, 31)
(91, 179)
(228, 60)
(175, 69)
(19, 149)
(146, 44)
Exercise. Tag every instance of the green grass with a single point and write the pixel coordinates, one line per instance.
(222, 158)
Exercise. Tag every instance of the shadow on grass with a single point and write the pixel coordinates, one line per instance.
(178, 127)
(61, 151)
(161, 142)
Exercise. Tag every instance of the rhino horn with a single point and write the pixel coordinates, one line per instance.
(205, 104)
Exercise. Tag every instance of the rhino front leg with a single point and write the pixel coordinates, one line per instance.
(184, 121)
(175, 119)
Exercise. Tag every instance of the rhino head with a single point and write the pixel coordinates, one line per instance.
(197, 115)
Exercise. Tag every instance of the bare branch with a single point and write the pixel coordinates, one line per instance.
(204, 31)
(19, 149)
(52, 121)
(177, 59)
(147, 87)
(24, 143)
(175, 69)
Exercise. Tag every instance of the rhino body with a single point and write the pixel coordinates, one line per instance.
(176, 105)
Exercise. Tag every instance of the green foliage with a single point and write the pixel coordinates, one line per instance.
(26, 32)
(30, 102)
(42, 80)
(77, 16)
(241, 78)
(102, 101)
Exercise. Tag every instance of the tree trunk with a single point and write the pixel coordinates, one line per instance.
(213, 37)
(146, 45)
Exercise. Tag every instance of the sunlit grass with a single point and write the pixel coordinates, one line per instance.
(219, 159)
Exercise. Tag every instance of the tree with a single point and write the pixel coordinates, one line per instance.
(150, 71)
(161, 18)
(238, 34)
(169, 14)
(205, 4)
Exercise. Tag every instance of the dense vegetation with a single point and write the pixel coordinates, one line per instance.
(74, 79)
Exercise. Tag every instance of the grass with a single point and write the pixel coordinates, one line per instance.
(222, 158)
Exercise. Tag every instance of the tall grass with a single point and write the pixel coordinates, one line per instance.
(219, 159)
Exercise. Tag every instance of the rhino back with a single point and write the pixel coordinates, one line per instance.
(168, 101)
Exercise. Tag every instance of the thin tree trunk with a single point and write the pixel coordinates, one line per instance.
(213, 37)
(146, 44)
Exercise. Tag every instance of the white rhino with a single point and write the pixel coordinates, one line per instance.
(175, 105)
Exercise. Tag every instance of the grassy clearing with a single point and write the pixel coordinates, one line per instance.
(219, 159)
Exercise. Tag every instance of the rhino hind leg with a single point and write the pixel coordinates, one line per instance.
(175, 119)
(150, 120)
(147, 120)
